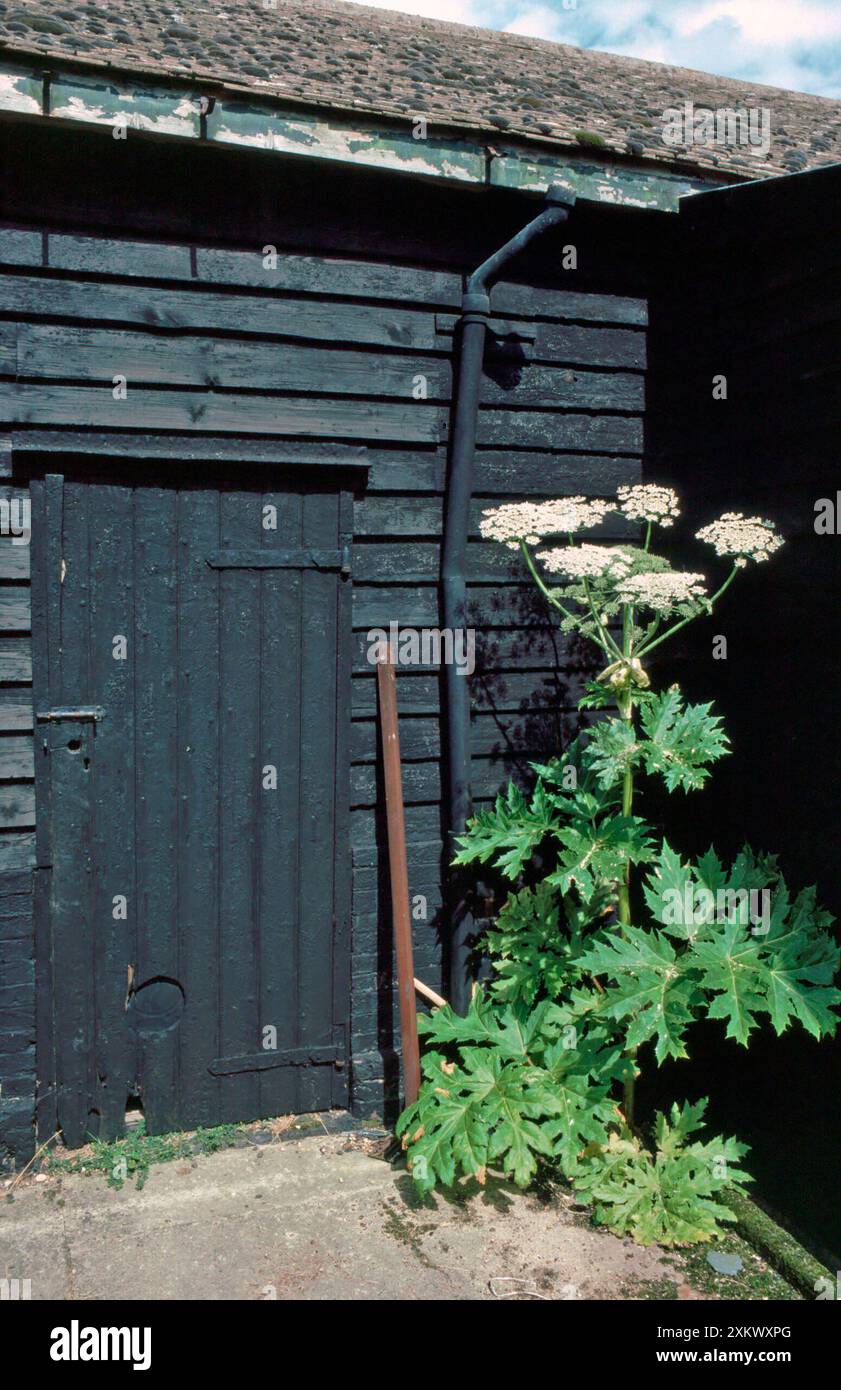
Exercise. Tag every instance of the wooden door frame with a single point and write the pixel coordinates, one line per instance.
(342, 858)
(44, 653)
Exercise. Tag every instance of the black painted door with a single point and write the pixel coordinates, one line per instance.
(191, 701)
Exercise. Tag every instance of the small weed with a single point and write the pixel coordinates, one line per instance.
(133, 1156)
(209, 1141)
(306, 1122)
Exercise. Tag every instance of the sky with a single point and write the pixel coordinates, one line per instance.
(785, 43)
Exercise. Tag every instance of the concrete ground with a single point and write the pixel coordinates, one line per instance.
(323, 1217)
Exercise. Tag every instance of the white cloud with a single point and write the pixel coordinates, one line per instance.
(768, 22)
(536, 22)
(456, 11)
(785, 43)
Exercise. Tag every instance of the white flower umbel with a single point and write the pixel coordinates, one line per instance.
(648, 502)
(661, 591)
(513, 522)
(745, 537)
(586, 561)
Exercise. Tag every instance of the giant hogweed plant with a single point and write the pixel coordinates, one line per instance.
(610, 942)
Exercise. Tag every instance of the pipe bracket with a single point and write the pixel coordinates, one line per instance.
(475, 303)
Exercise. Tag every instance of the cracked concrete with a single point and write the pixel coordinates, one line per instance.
(319, 1218)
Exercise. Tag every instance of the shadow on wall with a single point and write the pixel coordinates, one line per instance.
(528, 679)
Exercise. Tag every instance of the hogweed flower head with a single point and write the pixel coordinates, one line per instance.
(661, 591)
(744, 537)
(648, 502)
(586, 561)
(513, 522)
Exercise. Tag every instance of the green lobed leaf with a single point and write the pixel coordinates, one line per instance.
(536, 939)
(681, 740)
(594, 855)
(763, 954)
(525, 1086)
(508, 834)
(668, 889)
(612, 750)
(672, 1195)
(648, 990)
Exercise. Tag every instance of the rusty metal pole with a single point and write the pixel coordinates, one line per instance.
(399, 873)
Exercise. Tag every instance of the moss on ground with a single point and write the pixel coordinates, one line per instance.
(656, 1290)
(755, 1281)
(400, 1226)
(778, 1246)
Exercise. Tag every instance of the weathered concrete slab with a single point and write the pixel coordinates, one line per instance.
(320, 1218)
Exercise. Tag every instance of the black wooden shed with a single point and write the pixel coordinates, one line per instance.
(233, 255)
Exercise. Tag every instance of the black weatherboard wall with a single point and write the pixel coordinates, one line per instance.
(756, 272)
(329, 370)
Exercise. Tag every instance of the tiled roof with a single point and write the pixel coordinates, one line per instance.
(328, 53)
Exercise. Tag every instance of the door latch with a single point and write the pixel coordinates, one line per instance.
(83, 713)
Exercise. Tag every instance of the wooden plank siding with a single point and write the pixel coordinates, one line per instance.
(329, 361)
(17, 1017)
(17, 793)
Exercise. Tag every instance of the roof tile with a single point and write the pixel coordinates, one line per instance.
(331, 53)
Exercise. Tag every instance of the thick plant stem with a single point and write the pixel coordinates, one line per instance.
(626, 712)
(547, 594)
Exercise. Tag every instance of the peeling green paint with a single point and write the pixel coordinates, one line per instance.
(632, 185)
(323, 135)
(239, 123)
(139, 108)
(21, 90)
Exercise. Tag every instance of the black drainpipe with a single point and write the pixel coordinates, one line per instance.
(476, 308)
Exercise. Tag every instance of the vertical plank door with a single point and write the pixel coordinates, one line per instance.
(192, 645)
